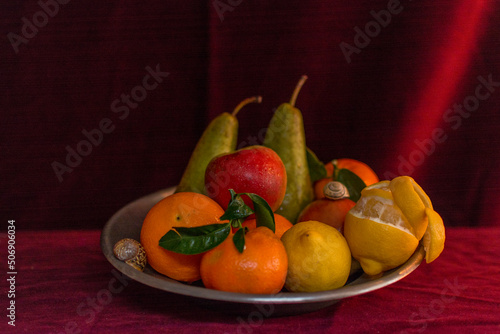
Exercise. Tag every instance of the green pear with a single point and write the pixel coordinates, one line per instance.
(219, 137)
(286, 136)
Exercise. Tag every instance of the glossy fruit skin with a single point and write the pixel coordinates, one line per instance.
(319, 258)
(359, 168)
(286, 136)
(378, 233)
(254, 169)
(261, 268)
(328, 211)
(219, 137)
(184, 209)
(281, 224)
(377, 247)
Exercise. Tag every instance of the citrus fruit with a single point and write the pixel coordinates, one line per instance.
(261, 268)
(281, 224)
(417, 207)
(412, 200)
(359, 168)
(385, 226)
(328, 211)
(183, 209)
(319, 258)
(434, 236)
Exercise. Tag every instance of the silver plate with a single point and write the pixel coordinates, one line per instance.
(127, 222)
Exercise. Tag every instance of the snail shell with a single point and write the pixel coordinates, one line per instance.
(335, 190)
(131, 252)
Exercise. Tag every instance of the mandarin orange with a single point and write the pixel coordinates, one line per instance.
(328, 211)
(359, 168)
(184, 209)
(261, 268)
(281, 224)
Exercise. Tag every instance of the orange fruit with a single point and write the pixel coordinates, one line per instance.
(281, 224)
(261, 268)
(184, 209)
(328, 211)
(318, 187)
(359, 168)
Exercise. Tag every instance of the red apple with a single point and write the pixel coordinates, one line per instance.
(253, 169)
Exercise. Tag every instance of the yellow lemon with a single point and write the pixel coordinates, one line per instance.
(412, 200)
(385, 226)
(417, 207)
(434, 236)
(319, 258)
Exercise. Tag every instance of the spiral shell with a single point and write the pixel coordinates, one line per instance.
(335, 190)
(131, 252)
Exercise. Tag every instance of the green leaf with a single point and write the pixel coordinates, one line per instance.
(353, 183)
(317, 169)
(237, 209)
(239, 240)
(237, 223)
(195, 240)
(263, 212)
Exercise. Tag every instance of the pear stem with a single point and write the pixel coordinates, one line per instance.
(297, 89)
(253, 99)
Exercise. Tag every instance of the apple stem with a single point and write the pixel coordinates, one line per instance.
(253, 99)
(297, 89)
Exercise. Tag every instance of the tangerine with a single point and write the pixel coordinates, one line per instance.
(281, 224)
(261, 268)
(328, 211)
(359, 168)
(183, 209)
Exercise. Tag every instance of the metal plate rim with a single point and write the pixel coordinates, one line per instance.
(130, 215)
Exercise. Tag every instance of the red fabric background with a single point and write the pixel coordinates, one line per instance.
(393, 95)
(66, 289)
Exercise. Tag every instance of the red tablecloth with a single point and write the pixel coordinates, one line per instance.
(65, 285)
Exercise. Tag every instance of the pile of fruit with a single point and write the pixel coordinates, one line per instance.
(270, 217)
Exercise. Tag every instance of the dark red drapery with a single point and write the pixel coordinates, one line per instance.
(409, 87)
